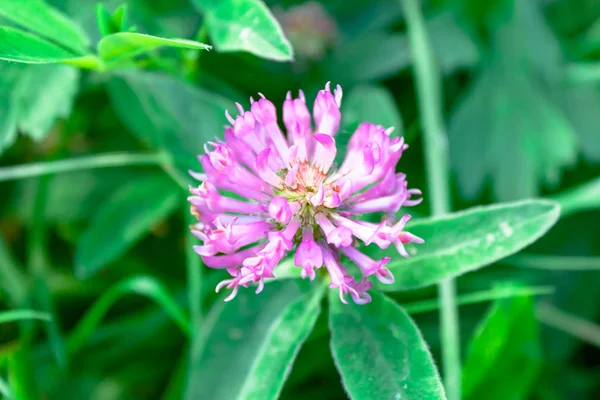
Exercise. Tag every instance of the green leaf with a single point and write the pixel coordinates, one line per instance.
(111, 23)
(373, 104)
(123, 46)
(379, 55)
(166, 113)
(123, 220)
(245, 25)
(103, 20)
(18, 315)
(255, 338)
(507, 341)
(513, 132)
(20, 46)
(21, 374)
(367, 58)
(581, 104)
(146, 286)
(519, 123)
(38, 17)
(380, 352)
(26, 108)
(453, 47)
(465, 241)
(120, 18)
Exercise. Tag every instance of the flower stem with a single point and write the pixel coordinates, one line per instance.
(77, 164)
(428, 84)
(582, 329)
(194, 275)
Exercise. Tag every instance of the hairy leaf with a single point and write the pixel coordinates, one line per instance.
(255, 339)
(380, 352)
(461, 242)
(125, 45)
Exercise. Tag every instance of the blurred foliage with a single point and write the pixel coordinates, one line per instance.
(522, 104)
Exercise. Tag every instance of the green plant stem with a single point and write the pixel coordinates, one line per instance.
(77, 164)
(424, 306)
(428, 84)
(553, 263)
(572, 324)
(580, 198)
(194, 272)
(16, 315)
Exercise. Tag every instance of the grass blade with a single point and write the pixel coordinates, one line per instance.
(142, 285)
(38, 266)
(21, 375)
(18, 315)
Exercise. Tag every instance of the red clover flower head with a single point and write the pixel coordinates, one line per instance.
(290, 198)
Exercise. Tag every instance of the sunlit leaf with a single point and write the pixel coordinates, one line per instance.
(245, 25)
(380, 352)
(461, 242)
(125, 45)
(38, 17)
(255, 338)
(20, 46)
(123, 220)
(506, 341)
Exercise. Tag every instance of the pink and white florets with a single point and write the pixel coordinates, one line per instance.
(290, 197)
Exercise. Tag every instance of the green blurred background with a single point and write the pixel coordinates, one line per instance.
(523, 114)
